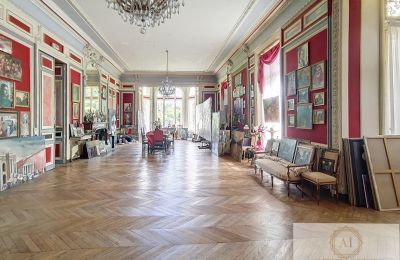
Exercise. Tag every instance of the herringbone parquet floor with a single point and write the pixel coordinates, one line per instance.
(185, 205)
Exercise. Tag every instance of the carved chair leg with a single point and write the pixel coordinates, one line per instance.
(337, 192)
(302, 188)
(288, 189)
(318, 193)
(262, 175)
(272, 181)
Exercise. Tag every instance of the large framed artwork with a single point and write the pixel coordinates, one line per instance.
(75, 111)
(127, 107)
(47, 100)
(8, 124)
(291, 84)
(11, 67)
(75, 93)
(7, 94)
(304, 154)
(302, 56)
(127, 118)
(304, 116)
(21, 98)
(291, 120)
(5, 45)
(304, 78)
(271, 109)
(25, 124)
(318, 75)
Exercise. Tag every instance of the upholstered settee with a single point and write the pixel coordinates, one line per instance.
(291, 161)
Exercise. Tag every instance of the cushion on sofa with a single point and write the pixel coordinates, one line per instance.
(319, 177)
(278, 168)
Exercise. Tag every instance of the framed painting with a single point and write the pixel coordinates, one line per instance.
(319, 99)
(5, 45)
(8, 124)
(24, 124)
(291, 120)
(21, 98)
(7, 94)
(304, 78)
(127, 118)
(302, 96)
(304, 154)
(302, 56)
(287, 148)
(319, 116)
(327, 165)
(104, 92)
(75, 111)
(127, 107)
(304, 118)
(318, 75)
(48, 102)
(290, 104)
(75, 93)
(291, 84)
(271, 109)
(11, 67)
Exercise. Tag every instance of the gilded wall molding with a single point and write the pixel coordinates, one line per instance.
(336, 53)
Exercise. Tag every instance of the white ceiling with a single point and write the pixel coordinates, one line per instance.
(194, 38)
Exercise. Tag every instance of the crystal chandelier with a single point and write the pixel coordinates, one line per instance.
(167, 88)
(146, 13)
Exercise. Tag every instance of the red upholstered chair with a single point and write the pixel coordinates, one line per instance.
(158, 142)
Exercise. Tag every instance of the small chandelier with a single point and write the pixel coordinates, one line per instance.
(146, 13)
(167, 88)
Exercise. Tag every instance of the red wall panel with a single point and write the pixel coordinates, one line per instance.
(49, 41)
(354, 68)
(48, 154)
(318, 48)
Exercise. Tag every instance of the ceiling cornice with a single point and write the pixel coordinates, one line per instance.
(59, 10)
(263, 21)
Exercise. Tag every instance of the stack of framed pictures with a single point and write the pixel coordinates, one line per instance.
(14, 103)
(301, 84)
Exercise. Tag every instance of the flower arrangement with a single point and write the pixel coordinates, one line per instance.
(157, 124)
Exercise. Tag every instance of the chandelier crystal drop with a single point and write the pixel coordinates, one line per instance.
(167, 88)
(146, 13)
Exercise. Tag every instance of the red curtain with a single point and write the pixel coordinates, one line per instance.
(266, 59)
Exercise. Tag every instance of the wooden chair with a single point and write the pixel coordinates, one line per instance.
(158, 141)
(145, 141)
(327, 167)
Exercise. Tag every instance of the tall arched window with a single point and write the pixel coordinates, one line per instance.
(170, 109)
(192, 93)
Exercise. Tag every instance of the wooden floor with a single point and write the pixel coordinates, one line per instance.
(185, 205)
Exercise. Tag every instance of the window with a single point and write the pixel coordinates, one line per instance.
(147, 108)
(170, 109)
(192, 108)
(92, 102)
(272, 90)
(391, 91)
